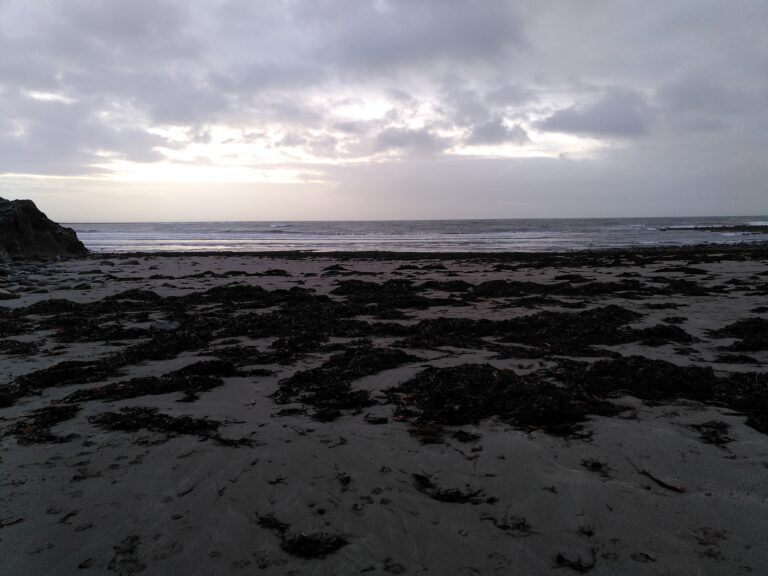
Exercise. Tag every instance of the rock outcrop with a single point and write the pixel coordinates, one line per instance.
(25, 232)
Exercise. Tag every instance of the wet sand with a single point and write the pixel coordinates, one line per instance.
(373, 413)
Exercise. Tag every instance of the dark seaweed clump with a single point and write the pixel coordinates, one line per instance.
(562, 333)
(303, 545)
(578, 565)
(192, 379)
(470, 393)
(663, 334)
(393, 294)
(454, 332)
(644, 378)
(35, 428)
(573, 333)
(689, 270)
(424, 484)
(736, 359)
(76, 327)
(659, 381)
(328, 388)
(751, 332)
(714, 432)
(748, 392)
(12, 323)
(18, 348)
(312, 545)
(133, 419)
(61, 374)
(559, 400)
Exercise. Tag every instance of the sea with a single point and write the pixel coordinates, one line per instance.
(512, 235)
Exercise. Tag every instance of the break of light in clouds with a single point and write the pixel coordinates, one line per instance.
(333, 109)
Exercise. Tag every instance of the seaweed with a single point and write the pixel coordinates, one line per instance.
(62, 374)
(388, 295)
(458, 395)
(539, 301)
(303, 545)
(644, 378)
(511, 524)
(747, 392)
(662, 334)
(469, 393)
(454, 332)
(572, 278)
(446, 285)
(328, 388)
(126, 559)
(192, 379)
(335, 268)
(52, 306)
(133, 419)
(689, 270)
(736, 359)
(573, 333)
(516, 288)
(136, 294)
(427, 432)
(271, 523)
(18, 348)
(751, 332)
(466, 437)
(578, 565)
(163, 346)
(35, 428)
(424, 484)
(594, 465)
(76, 327)
(312, 545)
(12, 324)
(713, 432)
(658, 381)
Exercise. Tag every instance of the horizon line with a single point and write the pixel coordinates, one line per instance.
(418, 219)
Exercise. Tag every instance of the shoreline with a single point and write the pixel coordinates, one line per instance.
(756, 248)
(432, 413)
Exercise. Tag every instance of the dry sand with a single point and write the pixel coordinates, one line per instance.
(313, 487)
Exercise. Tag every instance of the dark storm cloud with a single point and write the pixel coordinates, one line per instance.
(618, 112)
(509, 94)
(54, 137)
(700, 101)
(371, 35)
(496, 132)
(419, 140)
(120, 33)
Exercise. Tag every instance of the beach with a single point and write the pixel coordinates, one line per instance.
(600, 412)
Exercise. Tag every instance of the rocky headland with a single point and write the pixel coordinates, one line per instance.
(27, 233)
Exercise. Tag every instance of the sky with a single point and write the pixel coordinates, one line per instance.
(163, 110)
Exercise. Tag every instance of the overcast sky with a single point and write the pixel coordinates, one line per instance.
(377, 109)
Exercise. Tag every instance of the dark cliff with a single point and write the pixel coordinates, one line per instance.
(25, 232)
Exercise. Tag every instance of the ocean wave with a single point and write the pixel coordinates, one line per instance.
(444, 236)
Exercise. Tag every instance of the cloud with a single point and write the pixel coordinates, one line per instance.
(497, 132)
(697, 101)
(365, 37)
(54, 137)
(419, 140)
(316, 85)
(617, 113)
